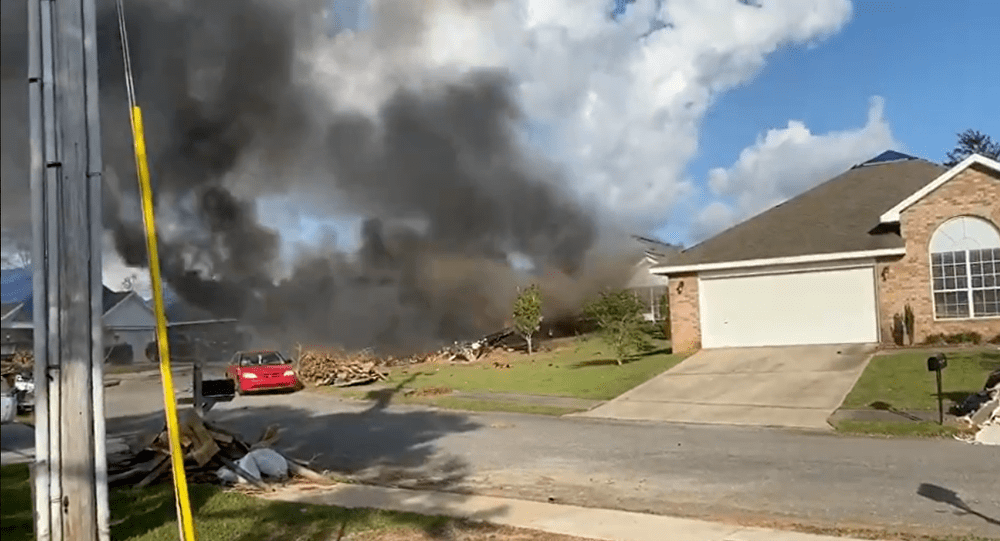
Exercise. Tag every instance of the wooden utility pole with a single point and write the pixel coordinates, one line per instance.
(69, 470)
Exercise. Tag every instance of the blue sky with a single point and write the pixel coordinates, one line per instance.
(931, 65)
(938, 70)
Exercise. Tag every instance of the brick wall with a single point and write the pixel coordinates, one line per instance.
(973, 192)
(685, 315)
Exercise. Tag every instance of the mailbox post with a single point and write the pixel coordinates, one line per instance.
(935, 364)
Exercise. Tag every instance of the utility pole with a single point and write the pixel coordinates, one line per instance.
(70, 465)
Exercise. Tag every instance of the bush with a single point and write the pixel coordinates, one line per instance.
(995, 339)
(941, 339)
(618, 315)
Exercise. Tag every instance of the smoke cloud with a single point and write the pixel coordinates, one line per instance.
(468, 132)
(232, 115)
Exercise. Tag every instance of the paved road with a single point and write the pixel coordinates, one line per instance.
(757, 475)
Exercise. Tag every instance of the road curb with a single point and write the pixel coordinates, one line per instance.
(603, 524)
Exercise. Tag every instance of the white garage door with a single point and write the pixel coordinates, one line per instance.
(804, 307)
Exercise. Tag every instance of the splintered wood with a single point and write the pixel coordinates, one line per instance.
(206, 448)
(339, 368)
(20, 361)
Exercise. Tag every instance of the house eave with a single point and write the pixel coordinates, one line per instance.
(892, 215)
(775, 261)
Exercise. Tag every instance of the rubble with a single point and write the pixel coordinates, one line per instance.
(339, 368)
(343, 369)
(20, 362)
(473, 351)
(982, 413)
(257, 465)
(211, 454)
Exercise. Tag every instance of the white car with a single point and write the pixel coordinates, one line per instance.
(8, 402)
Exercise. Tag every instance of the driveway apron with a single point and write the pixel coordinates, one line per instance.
(792, 386)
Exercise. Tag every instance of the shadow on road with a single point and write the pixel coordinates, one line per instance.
(950, 497)
(376, 445)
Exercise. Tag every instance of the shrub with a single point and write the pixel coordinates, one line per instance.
(941, 339)
(909, 322)
(618, 314)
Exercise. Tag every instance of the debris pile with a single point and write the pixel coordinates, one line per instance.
(340, 369)
(981, 411)
(20, 362)
(343, 369)
(475, 350)
(211, 454)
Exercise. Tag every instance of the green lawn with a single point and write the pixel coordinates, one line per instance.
(582, 369)
(912, 429)
(902, 380)
(148, 515)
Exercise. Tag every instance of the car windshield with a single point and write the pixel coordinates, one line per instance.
(262, 359)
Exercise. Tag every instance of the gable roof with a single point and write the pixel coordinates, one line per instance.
(18, 291)
(15, 285)
(892, 215)
(111, 299)
(839, 216)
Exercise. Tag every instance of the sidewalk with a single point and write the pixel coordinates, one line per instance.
(604, 524)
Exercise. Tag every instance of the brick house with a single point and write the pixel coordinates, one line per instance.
(840, 263)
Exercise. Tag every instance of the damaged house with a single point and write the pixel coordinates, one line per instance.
(648, 287)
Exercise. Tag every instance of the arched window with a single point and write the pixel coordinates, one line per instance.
(965, 266)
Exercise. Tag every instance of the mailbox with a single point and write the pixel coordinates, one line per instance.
(219, 390)
(937, 362)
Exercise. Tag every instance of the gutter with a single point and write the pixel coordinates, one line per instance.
(775, 261)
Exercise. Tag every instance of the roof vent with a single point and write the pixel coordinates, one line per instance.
(889, 156)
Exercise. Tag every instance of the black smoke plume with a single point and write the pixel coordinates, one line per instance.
(448, 189)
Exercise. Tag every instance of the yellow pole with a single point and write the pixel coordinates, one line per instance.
(183, 501)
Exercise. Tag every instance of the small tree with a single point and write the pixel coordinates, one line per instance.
(618, 315)
(973, 142)
(528, 314)
(665, 315)
(908, 323)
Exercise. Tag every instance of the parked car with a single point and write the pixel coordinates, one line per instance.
(261, 371)
(8, 403)
(24, 391)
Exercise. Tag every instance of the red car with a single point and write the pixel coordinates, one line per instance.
(261, 371)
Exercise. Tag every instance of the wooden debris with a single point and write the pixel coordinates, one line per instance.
(342, 369)
(206, 447)
(339, 368)
(21, 361)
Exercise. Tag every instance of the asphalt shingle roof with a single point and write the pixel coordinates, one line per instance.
(839, 215)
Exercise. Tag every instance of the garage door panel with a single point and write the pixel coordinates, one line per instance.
(817, 307)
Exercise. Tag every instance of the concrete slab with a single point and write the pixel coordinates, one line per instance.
(795, 386)
(606, 524)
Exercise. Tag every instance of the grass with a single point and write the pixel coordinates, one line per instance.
(902, 380)
(580, 368)
(148, 515)
(910, 429)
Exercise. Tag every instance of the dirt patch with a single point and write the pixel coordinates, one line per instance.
(430, 391)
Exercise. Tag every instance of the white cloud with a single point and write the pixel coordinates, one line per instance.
(621, 109)
(116, 272)
(784, 163)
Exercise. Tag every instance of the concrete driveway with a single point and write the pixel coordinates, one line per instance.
(795, 386)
